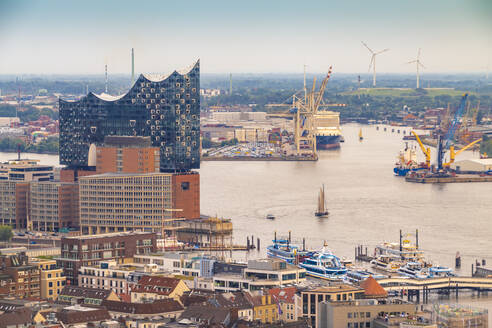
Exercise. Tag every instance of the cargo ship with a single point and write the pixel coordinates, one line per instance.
(328, 132)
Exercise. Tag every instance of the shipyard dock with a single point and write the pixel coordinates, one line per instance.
(263, 159)
(451, 179)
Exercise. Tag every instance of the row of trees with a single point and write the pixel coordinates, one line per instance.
(207, 143)
(29, 114)
(486, 146)
(358, 106)
(48, 145)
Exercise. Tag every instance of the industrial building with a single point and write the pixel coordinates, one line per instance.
(164, 108)
(473, 165)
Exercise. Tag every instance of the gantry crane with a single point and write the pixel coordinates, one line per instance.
(426, 151)
(303, 111)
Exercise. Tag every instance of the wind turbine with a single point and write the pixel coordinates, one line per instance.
(373, 62)
(419, 64)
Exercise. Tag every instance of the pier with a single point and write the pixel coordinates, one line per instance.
(450, 179)
(261, 159)
(447, 285)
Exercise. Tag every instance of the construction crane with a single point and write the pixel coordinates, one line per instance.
(453, 154)
(444, 142)
(302, 111)
(426, 151)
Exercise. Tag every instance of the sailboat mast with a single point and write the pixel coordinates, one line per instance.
(324, 200)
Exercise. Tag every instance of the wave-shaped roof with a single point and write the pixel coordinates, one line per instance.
(156, 77)
(151, 77)
(106, 97)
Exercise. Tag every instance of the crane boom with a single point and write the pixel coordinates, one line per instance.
(453, 154)
(322, 90)
(426, 151)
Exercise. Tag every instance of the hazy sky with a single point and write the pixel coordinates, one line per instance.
(60, 36)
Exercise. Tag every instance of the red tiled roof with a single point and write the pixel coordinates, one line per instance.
(372, 288)
(284, 295)
(156, 285)
(125, 298)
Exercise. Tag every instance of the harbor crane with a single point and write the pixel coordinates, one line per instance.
(453, 154)
(303, 111)
(426, 151)
(444, 141)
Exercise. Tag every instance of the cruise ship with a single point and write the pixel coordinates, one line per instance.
(328, 132)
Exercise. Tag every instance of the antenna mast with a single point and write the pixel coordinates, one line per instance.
(133, 66)
(106, 74)
(230, 84)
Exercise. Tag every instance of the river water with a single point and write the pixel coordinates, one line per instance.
(367, 204)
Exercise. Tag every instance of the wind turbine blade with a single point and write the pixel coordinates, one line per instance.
(382, 51)
(422, 65)
(411, 62)
(365, 45)
(418, 54)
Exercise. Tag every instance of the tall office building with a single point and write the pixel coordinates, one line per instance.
(164, 108)
(119, 202)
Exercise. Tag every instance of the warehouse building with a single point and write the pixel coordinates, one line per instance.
(473, 165)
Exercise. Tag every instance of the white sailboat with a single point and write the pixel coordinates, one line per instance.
(321, 212)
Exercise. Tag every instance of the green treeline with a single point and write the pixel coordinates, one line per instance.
(207, 143)
(49, 145)
(486, 146)
(30, 114)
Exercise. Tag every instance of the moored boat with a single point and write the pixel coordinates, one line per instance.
(325, 265)
(284, 250)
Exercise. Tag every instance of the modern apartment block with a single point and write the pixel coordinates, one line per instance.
(13, 203)
(311, 298)
(127, 155)
(113, 202)
(164, 108)
(91, 250)
(53, 205)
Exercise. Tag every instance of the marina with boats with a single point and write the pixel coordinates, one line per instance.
(401, 262)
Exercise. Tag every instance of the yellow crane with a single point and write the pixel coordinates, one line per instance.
(426, 151)
(453, 154)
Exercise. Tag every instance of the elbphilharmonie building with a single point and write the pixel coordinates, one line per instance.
(165, 108)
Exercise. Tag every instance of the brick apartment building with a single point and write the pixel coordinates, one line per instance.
(90, 250)
(127, 155)
(18, 278)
